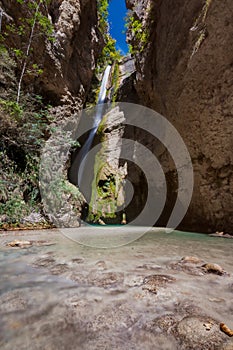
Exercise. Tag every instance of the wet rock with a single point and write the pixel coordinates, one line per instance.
(101, 222)
(221, 235)
(165, 322)
(19, 244)
(213, 268)
(116, 291)
(154, 282)
(191, 260)
(51, 264)
(133, 281)
(45, 262)
(78, 278)
(168, 322)
(195, 266)
(77, 260)
(106, 280)
(149, 267)
(101, 265)
(151, 341)
(198, 332)
(225, 329)
(13, 301)
(216, 300)
(119, 316)
(59, 269)
(186, 307)
(26, 244)
(188, 266)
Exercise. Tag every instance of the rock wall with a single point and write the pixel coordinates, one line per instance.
(185, 72)
(68, 62)
(127, 72)
(107, 195)
(67, 58)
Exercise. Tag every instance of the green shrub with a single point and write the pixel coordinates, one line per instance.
(140, 35)
(12, 108)
(14, 185)
(34, 23)
(109, 53)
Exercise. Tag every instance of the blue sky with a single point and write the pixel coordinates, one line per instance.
(117, 13)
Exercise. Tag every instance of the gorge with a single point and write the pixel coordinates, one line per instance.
(102, 154)
(183, 70)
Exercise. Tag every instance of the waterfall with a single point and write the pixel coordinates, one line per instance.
(81, 158)
(101, 100)
(103, 88)
(1, 15)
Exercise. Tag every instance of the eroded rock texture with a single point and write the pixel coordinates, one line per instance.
(108, 195)
(185, 72)
(69, 60)
(63, 44)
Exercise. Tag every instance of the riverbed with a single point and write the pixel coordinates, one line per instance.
(64, 295)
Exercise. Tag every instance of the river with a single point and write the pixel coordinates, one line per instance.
(71, 296)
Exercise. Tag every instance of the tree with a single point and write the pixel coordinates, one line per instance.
(35, 23)
(28, 48)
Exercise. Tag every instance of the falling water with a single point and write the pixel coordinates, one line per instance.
(87, 145)
(1, 15)
(103, 88)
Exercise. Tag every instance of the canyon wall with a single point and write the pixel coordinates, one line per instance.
(63, 42)
(185, 72)
(68, 59)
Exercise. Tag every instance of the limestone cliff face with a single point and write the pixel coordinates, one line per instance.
(67, 59)
(68, 62)
(108, 197)
(185, 72)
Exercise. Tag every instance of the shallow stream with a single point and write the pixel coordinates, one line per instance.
(70, 296)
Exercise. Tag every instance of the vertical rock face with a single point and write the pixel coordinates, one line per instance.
(185, 72)
(69, 60)
(127, 91)
(65, 46)
(107, 197)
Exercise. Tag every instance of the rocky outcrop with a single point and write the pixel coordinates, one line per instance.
(185, 72)
(107, 196)
(127, 73)
(54, 48)
(68, 56)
